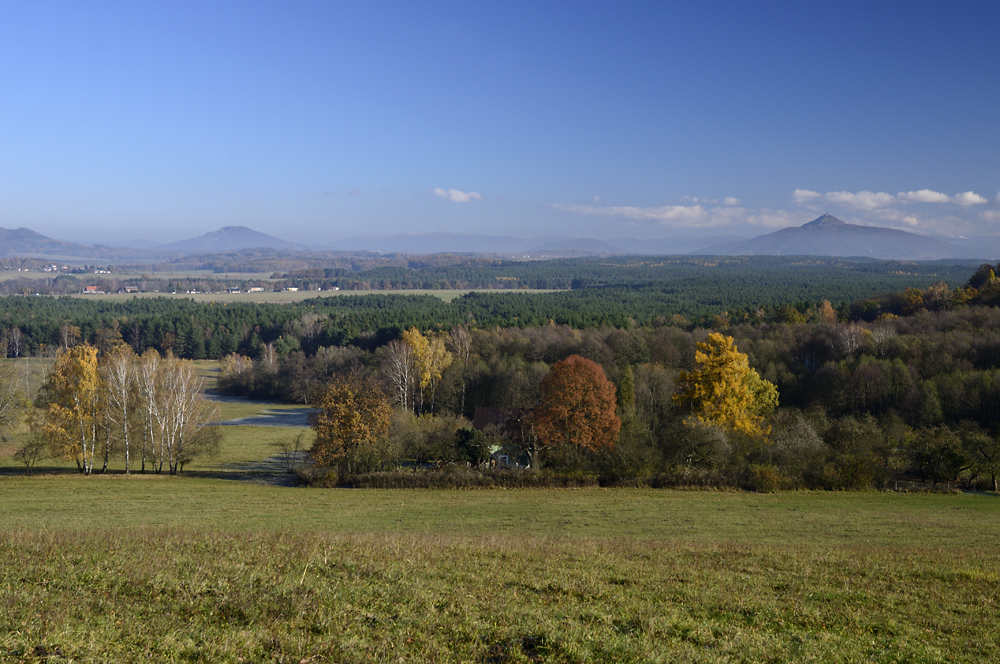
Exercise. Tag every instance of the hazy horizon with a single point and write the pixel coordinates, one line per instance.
(317, 122)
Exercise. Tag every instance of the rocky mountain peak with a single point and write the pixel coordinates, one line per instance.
(825, 221)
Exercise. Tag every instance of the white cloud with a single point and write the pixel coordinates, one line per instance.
(774, 218)
(690, 216)
(969, 198)
(923, 196)
(456, 196)
(805, 196)
(728, 200)
(354, 191)
(897, 216)
(862, 200)
(686, 214)
(990, 215)
(870, 200)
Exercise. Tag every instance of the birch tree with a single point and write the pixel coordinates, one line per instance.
(421, 349)
(119, 373)
(431, 357)
(400, 368)
(148, 374)
(461, 345)
(13, 400)
(185, 416)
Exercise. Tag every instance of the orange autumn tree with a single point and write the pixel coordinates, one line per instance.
(578, 406)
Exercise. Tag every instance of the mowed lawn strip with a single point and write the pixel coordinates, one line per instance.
(198, 570)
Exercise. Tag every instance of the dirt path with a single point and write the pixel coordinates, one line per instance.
(272, 471)
(275, 418)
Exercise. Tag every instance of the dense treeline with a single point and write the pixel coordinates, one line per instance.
(685, 273)
(611, 292)
(913, 396)
(901, 385)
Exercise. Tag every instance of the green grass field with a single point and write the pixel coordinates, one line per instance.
(186, 569)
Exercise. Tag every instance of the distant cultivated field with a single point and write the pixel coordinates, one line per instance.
(298, 296)
(183, 569)
(6, 275)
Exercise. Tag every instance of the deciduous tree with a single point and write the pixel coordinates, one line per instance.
(352, 417)
(461, 345)
(147, 373)
(400, 361)
(578, 406)
(72, 394)
(431, 358)
(185, 417)
(13, 400)
(724, 390)
(118, 372)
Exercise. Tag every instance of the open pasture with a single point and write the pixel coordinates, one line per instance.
(284, 297)
(188, 569)
(7, 275)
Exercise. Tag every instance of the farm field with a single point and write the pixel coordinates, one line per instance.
(6, 275)
(115, 568)
(298, 296)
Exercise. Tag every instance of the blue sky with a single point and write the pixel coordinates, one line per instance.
(316, 121)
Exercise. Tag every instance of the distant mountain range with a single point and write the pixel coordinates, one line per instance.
(825, 236)
(829, 236)
(26, 242)
(228, 239)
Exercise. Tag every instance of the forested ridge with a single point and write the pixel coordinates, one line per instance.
(887, 387)
(903, 387)
(605, 292)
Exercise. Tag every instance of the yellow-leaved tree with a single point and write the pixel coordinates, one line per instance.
(72, 394)
(431, 358)
(724, 390)
(351, 419)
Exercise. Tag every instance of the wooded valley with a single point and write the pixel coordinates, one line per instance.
(902, 387)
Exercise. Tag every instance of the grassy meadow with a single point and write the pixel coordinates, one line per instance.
(190, 569)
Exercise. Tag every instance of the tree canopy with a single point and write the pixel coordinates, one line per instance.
(352, 417)
(724, 390)
(578, 406)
